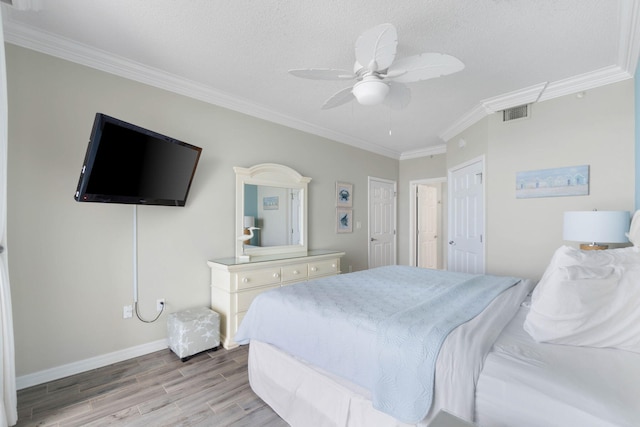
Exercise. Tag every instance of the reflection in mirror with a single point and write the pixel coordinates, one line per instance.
(276, 211)
(271, 200)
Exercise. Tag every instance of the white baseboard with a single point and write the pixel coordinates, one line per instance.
(58, 372)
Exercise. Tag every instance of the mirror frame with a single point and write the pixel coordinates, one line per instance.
(272, 175)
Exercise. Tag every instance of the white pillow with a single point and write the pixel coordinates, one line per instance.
(575, 272)
(634, 230)
(588, 298)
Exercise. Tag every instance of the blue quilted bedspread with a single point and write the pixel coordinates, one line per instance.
(381, 328)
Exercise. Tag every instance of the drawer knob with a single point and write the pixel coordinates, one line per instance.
(296, 272)
(333, 266)
(245, 280)
(314, 269)
(276, 275)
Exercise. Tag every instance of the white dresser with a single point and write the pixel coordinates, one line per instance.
(234, 284)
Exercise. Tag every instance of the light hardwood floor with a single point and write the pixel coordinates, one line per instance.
(211, 389)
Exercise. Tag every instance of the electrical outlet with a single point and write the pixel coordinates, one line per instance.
(127, 312)
(160, 304)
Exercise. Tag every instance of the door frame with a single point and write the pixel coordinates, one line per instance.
(413, 220)
(395, 218)
(450, 221)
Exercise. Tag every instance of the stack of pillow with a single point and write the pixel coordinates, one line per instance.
(590, 298)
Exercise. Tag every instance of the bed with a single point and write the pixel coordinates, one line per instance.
(529, 384)
(323, 365)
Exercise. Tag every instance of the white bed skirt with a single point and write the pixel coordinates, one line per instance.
(303, 395)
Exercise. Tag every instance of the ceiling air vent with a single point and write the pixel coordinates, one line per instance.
(519, 112)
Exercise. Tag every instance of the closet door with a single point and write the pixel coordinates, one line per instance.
(382, 222)
(467, 218)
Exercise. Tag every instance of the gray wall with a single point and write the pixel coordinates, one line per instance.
(595, 130)
(71, 263)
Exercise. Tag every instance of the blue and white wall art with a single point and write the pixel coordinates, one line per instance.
(556, 182)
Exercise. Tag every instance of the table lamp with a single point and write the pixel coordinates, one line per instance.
(248, 222)
(596, 227)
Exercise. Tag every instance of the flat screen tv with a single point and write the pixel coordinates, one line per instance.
(125, 163)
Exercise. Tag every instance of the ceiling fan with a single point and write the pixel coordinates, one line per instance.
(378, 78)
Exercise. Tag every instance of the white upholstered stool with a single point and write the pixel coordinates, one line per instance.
(193, 331)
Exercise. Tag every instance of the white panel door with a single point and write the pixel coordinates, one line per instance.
(382, 222)
(466, 218)
(428, 233)
(294, 217)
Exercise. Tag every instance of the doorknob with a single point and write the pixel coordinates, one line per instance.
(373, 239)
(451, 242)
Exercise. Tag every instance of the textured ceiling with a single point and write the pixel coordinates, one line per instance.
(237, 53)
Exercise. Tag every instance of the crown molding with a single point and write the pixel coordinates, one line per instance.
(629, 42)
(424, 152)
(582, 82)
(537, 93)
(524, 96)
(628, 55)
(50, 44)
(468, 119)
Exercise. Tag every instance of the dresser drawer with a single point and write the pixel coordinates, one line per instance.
(244, 298)
(254, 278)
(323, 268)
(296, 272)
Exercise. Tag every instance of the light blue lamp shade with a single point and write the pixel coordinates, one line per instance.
(249, 221)
(596, 226)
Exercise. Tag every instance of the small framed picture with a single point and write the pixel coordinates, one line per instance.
(344, 194)
(270, 203)
(344, 220)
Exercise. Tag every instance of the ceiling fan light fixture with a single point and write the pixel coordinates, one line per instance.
(379, 77)
(370, 92)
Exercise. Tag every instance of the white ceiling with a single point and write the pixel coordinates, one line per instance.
(236, 54)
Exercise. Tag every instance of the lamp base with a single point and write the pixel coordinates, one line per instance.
(593, 247)
(244, 258)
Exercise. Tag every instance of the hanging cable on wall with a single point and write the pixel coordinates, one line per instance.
(135, 270)
(144, 320)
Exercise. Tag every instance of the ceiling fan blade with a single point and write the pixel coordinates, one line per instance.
(376, 47)
(423, 66)
(323, 74)
(398, 97)
(339, 98)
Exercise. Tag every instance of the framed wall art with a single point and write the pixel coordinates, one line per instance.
(344, 220)
(271, 203)
(556, 182)
(344, 194)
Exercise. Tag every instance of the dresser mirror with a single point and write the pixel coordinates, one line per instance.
(271, 205)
